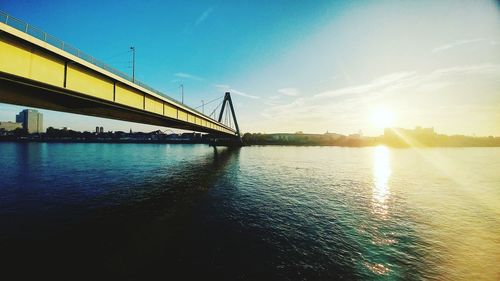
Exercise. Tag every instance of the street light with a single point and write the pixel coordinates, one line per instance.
(133, 63)
(182, 92)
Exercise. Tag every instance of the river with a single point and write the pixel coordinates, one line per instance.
(135, 211)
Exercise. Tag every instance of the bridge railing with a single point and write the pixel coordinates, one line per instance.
(41, 35)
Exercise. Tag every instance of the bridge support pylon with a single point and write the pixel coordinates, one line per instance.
(233, 141)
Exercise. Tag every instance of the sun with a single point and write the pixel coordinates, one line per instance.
(382, 118)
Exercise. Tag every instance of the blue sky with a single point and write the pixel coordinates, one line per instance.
(313, 66)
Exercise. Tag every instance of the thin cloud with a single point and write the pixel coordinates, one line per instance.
(403, 80)
(485, 68)
(188, 76)
(375, 84)
(455, 44)
(204, 16)
(292, 92)
(243, 94)
(234, 91)
(355, 99)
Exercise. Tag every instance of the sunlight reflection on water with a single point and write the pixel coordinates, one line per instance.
(381, 173)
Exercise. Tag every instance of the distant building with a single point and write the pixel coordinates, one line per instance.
(10, 126)
(32, 120)
(97, 129)
(101, 130)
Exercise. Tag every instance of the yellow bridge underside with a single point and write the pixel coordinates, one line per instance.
(36, 74)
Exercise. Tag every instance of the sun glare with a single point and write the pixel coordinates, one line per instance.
(382, 118)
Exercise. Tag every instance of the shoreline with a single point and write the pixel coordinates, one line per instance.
(100, 141)
(254, 144)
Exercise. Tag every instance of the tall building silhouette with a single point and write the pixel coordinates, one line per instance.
(31, 119)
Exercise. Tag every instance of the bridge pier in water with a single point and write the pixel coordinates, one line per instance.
(226, 141)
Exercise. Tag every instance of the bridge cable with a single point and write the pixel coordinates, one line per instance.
(209, 102)
(229, 123)
(229, 117)
(215, 109)
(212, 114)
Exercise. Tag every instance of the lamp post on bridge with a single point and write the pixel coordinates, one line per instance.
(133, 63)
(182, 93)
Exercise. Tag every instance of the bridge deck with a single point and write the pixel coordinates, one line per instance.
(35, 73)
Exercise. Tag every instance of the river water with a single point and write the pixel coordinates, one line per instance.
(139, 211)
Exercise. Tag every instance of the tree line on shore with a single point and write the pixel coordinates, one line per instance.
(401, 138)
(432, 140)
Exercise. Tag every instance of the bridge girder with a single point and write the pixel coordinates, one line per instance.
(34, 73)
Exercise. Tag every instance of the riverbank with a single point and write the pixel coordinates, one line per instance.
(392, 138)
(103, 141)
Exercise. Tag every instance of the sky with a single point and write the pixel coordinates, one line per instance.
(311, 66)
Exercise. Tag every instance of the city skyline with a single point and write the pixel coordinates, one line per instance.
(378, 117)
(315, 67)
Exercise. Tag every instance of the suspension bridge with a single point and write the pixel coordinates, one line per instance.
(39, 70)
